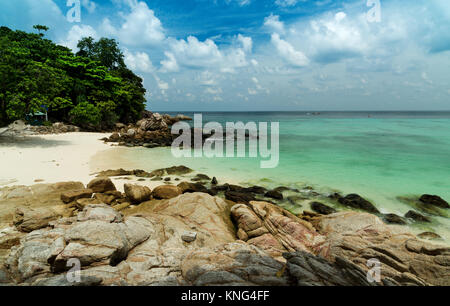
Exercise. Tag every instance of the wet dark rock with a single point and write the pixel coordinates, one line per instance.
(417, 217)
(429, 236)
(434, 200)
(356, 201)
(214, 181)
(256, 189)
(274, 194)
(187, 187)
(322, 208)
(393, 219)
(309, 270)
(239, 197)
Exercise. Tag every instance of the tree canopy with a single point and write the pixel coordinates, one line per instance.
(92, 88)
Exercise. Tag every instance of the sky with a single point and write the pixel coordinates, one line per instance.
(265, 55)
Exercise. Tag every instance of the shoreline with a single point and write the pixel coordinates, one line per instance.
(80, 156)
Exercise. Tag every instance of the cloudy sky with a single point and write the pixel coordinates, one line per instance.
(240, 55)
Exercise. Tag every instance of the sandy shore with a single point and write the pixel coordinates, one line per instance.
(49, 158)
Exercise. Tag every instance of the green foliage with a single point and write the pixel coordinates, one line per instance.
(85, 113)
(92, 88)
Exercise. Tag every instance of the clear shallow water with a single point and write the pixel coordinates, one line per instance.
(379, 157)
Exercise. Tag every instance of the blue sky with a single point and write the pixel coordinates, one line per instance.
(239, 55)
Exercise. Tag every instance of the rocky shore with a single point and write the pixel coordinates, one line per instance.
(192, 230)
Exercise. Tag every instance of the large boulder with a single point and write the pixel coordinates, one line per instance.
(166, 192)
(155, 122)
(434, 200)
(360, 237)
(101, 185)
(28, 220)
(356, 201)
(137, 193)
(70, 196)
(94, 240)
(275, 230)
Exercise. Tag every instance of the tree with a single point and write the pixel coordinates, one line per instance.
(92, 88)
(106, 51)
(40, 28)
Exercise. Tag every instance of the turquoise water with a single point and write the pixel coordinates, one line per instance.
(379, 157)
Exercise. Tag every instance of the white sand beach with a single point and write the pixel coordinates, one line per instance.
(49, 158)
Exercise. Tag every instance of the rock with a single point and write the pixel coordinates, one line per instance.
(274, 194)
(187, 187)
(233, 264)
(359, 237)
(322, 208)
(214, 181)
(429, 235)
(306, 269)
(104, 198)
(434, 200)
(19, 192)
(101, 185)
(356, 201)
(96, 242)
(131, 132)
(82, 203)
(122, 206)
(166, 192)
(117, 172)
(417, 217)
(275, 230)
(115, 137)
(155, 122)
(256, 190)
(189, 236)
(201, 177)
(239, 197)
(178, 170)
(183, 118)
(393, 219)
(100, 212)
(137, 194)
(71, 196)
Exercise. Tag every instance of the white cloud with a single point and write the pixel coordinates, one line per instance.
(139, 28)
(247, 43)
(76, 33)
(139, 61)
(273, 23)
(170, 63)
(286, 3)
(193, 53)
(89, 5)
(287, 51)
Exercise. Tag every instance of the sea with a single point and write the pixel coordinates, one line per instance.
(382, 156)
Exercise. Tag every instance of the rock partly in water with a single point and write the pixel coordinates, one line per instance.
(393, 219)
(322, 208)
(429, 236)
(274, 194)
(417, 217)
(434, 200)
(187, 187)
(356, 201)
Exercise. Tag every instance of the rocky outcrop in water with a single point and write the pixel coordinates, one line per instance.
(150, 132)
